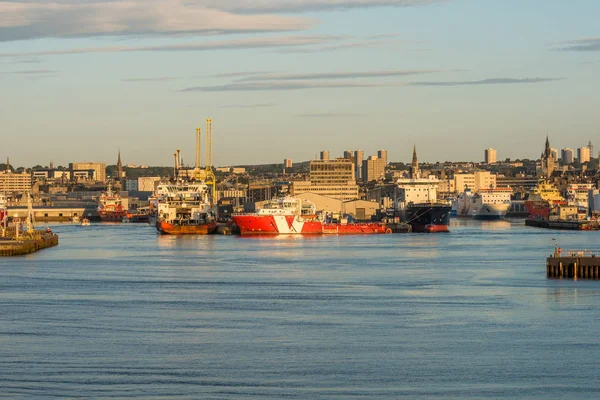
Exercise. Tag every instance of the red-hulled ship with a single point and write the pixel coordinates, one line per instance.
(292, 216)
(3, 211)
(185, 208)
(110, 207)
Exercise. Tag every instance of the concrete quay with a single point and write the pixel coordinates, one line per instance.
(27, 244)
(580, 264)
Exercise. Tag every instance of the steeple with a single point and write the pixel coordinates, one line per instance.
(119, 167)
(415, 172)
(7, 164)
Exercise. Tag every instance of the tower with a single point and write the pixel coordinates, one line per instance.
(548, 160)
(119, 167)
(415, 173)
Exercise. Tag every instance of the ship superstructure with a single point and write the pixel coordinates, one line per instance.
(185, 208)
(110, 206)
(491, 203)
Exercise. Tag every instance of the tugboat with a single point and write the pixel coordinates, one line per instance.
(110, 208)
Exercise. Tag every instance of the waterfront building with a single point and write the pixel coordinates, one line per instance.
(382, 154)
(583, 154)
(287, 163)
(358, 162)
(373, 169)
(99, 169)
(490, 156)
(567, 156)
(325, 155)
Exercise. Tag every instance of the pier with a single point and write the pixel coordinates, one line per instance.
(27, 243)
(575, 264)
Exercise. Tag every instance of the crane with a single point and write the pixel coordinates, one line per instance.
(211, 180)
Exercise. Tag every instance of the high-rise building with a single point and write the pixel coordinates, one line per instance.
(383, 155)
(554, 153)
(325, 155)
(287, 163)
(490, 156)
(373, 169)
(358, 162)
(99, 169)
(583, 154)
(349, 154)
(567, 156)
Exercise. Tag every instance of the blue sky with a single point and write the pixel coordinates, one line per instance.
(286, 78)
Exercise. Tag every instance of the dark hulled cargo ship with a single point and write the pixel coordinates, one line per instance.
(428, 217)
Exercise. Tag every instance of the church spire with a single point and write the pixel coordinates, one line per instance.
(119, 167)
(415, 172)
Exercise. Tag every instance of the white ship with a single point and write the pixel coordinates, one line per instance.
(490, 204)
(464, 204)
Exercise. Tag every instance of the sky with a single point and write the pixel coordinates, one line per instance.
(82, 79)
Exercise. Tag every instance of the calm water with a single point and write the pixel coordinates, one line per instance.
(116, 311)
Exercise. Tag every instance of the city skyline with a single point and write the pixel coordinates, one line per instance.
(287, 79)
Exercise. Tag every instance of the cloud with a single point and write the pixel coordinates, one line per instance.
(154, 79)
(341, 46)
(249, 105)
(32, 72)
(38, 19)
(336, 75)
(291, 6)
(492, 81)
(330, 115)
(236, 44)
(585, 44)
(238, 74)
(274, 86)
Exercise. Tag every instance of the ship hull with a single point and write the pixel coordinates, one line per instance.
(198, 229)
(490, 212)
(291, 225)
(428, 218)
(112, 217)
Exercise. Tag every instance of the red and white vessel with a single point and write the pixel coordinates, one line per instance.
(3, 210)
(292, 216)
(110, 206)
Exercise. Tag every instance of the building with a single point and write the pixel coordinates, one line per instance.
(325, 155)
(332, 172)
(548, 161)
(583, 155)
(373, 169)
(567, 156)
(287, 163)
(11, 182)
(359, 156)
(331, 178)
(554, 154)
(382, 154)
(474, 181)
(147, 183)
(131, 185)
(349, 154)
(415, 172)
(99, 169)
(490, 156)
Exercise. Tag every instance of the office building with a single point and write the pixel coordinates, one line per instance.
(331, 178)
(567, 156)
(99, 169)
(475, 181)
(373, 169)
(358, 161)
(382, 154)
(583, 154)
(349, 154)
(325, 155)
(11, 182)
(490, 156)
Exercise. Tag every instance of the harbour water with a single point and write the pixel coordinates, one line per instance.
(117, 311)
